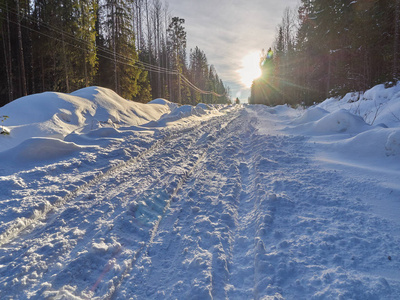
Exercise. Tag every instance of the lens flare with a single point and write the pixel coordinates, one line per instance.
(250, 68)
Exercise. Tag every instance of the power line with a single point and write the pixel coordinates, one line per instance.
(129, 61)
(150, 67)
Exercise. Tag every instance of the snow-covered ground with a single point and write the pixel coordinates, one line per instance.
(102, 198)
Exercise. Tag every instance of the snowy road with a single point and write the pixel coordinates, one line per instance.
(228, 208)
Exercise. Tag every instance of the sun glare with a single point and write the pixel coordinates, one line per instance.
(250, 68)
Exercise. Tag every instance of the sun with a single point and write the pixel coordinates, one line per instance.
(250, 68)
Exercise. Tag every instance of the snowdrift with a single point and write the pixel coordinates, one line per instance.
(55, 115)
(310, 115)
(92, 113)
(183, 111)
(378, 105)
(39, 149)
(360, 127)
(340, 121)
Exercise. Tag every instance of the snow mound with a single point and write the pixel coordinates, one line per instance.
(203, 106)
(162, 101)
(376, 105)
(178, 113)
(392, 145)
(282, 108)
(40, 149)
(310, 115)
(375, 142)
(337, 122)
(112, 107)
(371, 118)
(100, 136)
(377, 148)
(56, 115)
(104, 132)
(341, 121)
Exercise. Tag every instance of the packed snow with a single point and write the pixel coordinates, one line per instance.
(105, 198)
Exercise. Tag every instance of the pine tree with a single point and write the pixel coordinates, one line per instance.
(198, 69)
(86, 13)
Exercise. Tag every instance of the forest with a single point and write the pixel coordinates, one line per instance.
(327, 48)
(134, 47)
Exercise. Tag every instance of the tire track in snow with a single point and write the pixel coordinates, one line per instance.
(208, 130)
(145, 247)
(186, 236)
(297, 217)
(22, 223)
(241, 273)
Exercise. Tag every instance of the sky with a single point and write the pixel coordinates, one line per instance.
(228, 31)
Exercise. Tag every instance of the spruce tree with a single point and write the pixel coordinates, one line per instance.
(177, 45)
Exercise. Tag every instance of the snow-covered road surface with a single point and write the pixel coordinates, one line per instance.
(231, 207)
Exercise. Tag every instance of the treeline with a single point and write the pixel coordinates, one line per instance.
(133, 47)
(328, 48)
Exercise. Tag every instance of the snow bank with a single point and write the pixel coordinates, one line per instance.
(310, 115)
(162, 101)
(378, 146)
(360, 127)
(39, 149)
(52, 125)
(112, 107)
(376, 105)
(180, 112)
(55, 115)
(338, 122)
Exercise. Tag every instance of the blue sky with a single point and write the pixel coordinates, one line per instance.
(227, 31)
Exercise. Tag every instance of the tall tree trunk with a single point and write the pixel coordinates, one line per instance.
(65, 63)
(328, 81)
(42, 69)
(85, 70)
(148, 30)
(396, 41)
(114, 33)
(167, 64)
(21, 51)
(84, 50)
(137, 23)
(6, 55)
(31, 67)
(140, 29)
(158, 10)
(179, 88)
(9, 62)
